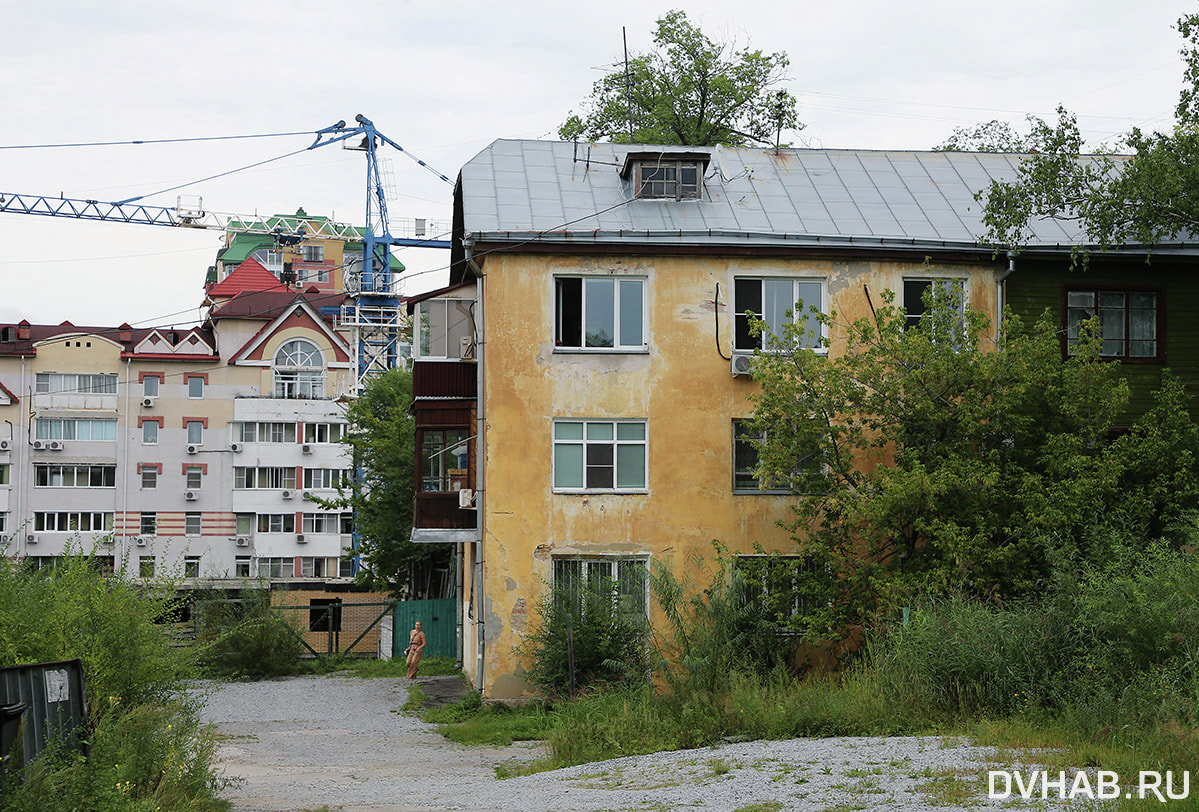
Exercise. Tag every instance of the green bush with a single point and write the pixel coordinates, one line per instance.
(246, 638)
(962, 657)
(149, 750)
(609, 644)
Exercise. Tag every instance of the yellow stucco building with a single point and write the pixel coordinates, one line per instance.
(605, 291)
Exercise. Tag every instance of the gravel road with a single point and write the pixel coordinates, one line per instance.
(304, 743)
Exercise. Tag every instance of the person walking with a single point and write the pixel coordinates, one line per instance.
(416, 647)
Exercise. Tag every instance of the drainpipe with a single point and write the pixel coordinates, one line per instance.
(1000, 301)
(480, 460)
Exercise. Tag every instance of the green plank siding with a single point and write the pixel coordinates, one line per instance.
(1037, 286)
(439, 622)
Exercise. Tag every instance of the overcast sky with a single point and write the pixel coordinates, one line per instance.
(444, 80)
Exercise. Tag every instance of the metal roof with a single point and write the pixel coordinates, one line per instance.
(562, 192)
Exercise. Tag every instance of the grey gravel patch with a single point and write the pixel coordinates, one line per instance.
(307, 742)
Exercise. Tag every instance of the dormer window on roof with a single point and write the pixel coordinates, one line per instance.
(666, 176)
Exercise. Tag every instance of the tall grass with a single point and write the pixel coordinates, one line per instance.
(149, 750)
(246, 638)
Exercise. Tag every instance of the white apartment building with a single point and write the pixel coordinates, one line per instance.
(195, 452)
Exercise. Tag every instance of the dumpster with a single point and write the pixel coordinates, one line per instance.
(53, 703)
(10, 728)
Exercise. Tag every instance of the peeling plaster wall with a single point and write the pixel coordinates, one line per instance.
(681, 386)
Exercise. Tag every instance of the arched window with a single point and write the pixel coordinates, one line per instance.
(299, 370)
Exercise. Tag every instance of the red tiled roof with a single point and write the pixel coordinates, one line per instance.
(269, 304)
(43, 332)
(249, 276)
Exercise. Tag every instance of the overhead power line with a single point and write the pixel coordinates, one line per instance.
(151, 141)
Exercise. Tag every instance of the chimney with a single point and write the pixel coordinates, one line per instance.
(125, 333)
(23, 330)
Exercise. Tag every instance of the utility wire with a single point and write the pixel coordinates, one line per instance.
(149, 141)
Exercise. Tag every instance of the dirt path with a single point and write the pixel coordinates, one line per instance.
(308, 742)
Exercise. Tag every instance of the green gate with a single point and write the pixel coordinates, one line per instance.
(439, 621)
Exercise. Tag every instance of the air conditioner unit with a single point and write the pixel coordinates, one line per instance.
(191, 496)
(300, 539)
(108, 541)
(467, 350)
(307, 497)
(39, 445)
(306, 448)
(141, 541)
(466, 499)
(4, 538)
(740, 362)
(147, 402)
(31, 539)
(4, 444)
(193, 448)
(243, 541)
(288, 494)
(56, 445)
(236, 447)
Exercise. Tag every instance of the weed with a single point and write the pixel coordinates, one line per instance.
(762, 806)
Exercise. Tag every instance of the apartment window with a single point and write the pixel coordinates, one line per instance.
(599, 313)
(191, 566)
(149, 479)
(70, 521)
(345, 568)
(88, 429)
(72, 476)
(746, 442)
(325, 478)
(245, 524)
(299, 370)
(149, 523)
(192, 524)
(264, 432)
(276, 568)
(276, 522)
(444, 455)
(777, 301)
(671, 180)
(193, 477)
(68, 383)
(1128, 321)
(313, 568)
(150, 386)
(623, 580)
(4, 474)
(919, 293)
(145, 566)
(195, 387)
(150, 432)
(264, 478)
(241, 566)
(195, 431)
(443, 324)
(321, 522)
(3, 521)
(314, 253)
(599, 455)
(782, 585)
(324, 432)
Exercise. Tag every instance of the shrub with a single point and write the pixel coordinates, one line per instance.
(609, 645)
(246, 638)
(148, 747)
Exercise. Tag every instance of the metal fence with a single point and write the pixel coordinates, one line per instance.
(334, 627)
(46, 708)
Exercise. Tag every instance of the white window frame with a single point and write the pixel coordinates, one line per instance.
(50, 521)
(620, 343)
(329, 523)
(67, 428)
(149, 479)
(275, 523)
(193, 477)
(191, 566)
(190, 519)
(560, 441)
(148, 519)
(150, 435)
(324, 433)
(299, 371)
(743, 341)
(195, 431)
(911, 319)
(195, 387)
(313, 252)
(264, 478)
(430, 325)
(151, 385)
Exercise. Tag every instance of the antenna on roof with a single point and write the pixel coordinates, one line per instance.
(628, 82)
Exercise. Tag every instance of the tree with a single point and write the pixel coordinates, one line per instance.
(381, 439)
(995, 136)
(934, 460)
(1145, 199)
(689, 90)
